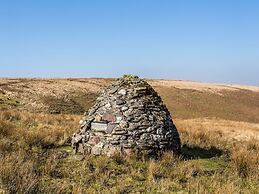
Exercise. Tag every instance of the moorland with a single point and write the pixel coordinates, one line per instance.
(218, 125)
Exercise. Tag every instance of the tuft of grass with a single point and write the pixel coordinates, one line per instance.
(6, 129)
(245, 161)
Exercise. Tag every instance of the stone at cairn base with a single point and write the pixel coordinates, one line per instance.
(128, 116)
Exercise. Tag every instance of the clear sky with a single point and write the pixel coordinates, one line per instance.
(200, 40)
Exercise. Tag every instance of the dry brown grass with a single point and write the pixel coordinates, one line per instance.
(35, 158)
(245, 159)
(228, 130)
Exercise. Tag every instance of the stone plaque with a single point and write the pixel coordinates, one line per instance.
(99, 126)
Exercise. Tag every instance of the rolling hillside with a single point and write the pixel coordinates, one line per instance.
(184, 99)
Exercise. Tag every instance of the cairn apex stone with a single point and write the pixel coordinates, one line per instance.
(129, 115)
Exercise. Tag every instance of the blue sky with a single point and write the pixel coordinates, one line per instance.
(201, 40)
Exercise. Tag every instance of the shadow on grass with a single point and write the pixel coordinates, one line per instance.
(196, 152)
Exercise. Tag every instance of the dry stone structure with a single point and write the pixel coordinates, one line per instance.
(129, 115)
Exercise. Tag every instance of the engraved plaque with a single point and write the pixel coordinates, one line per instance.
(98, 126)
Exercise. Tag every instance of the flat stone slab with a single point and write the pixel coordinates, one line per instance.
(99, 126)
(111, 126)
(122, 92)
(109, 117)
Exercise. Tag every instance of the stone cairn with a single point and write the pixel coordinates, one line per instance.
(128, 116)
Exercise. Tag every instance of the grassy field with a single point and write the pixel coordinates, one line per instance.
(218, 126)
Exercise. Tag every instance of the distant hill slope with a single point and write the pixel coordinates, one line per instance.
(185, 99)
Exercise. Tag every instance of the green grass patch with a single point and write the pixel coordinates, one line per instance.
(212, 164)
